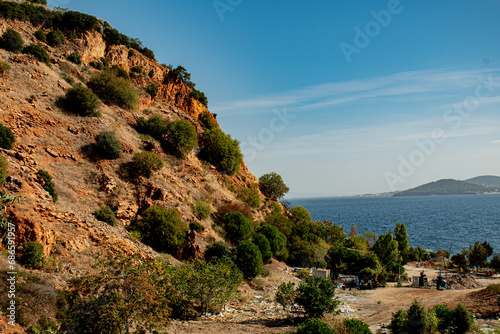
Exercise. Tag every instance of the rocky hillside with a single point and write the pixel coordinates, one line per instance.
(50, 139)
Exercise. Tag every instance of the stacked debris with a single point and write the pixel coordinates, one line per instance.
(462, 282)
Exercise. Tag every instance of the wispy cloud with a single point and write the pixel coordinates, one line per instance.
(408, 85)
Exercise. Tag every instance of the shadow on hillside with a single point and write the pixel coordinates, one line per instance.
(286, 322)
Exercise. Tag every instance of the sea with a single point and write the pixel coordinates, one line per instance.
(433, 222)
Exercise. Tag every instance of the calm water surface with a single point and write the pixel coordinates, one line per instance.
(433, 222)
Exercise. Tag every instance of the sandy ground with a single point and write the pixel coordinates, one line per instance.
(375, 307)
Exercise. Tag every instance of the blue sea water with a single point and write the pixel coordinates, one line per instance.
(433, 222)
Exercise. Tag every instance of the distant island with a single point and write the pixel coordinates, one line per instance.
(478, 185)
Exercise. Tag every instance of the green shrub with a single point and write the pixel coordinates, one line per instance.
(38, 52)
(96, 65)
(7, 138)
(399, 322)
(316, 296)
(207, 120)
(148, 53)
(249, 196)
(356, 326)
(32, 255)
(195, 226)
(261, 241)
(162, 229)
(218, 251)
(4, 170)
(152, 90)
(41, 36)
(48, 185)
(145, 163)
(222, 151)
(285, 296)
(136, 69)
(237, 227)
(131, 53)
(200, 96)
(462, 320)
(108, 146)
(69, 80)
(248, 259)
(155, 126)
(272, 185)
(114, 90)
(202, 210)
(55, 38)
(445, 318)
(41, 2)
(181, 138)
(74, 57)
(4, 69)
(276, 239)
(105, 214)
(11, 41)
(82, 101)
(119, 72)
(314, 326)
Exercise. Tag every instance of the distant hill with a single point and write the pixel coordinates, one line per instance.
(446, 187)
(485, 181)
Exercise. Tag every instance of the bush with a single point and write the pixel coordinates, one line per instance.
(207, 120)
(232, 207)
(148, 53)
(114, 90)
(200, 96)
(357, 326)
(74, 57)
(195, 226)
(41, 2)
(316, 296)
(314, 326)
(276, 239)
(96, 65)
(48, 185)
(119, 72)
(462, 320)
(218, 251)
(55, 38)
(136, 69)
(145, 163)
(162, 229)
(444, 316)
(399, 322)
(272, 185)
(11, 41)
(108, 146)
(105, 214)
(38, 52)
(156, 126)
(181, 138)
(285, 296)
(202, 210)
(32, 255)
(248, 259)
(4, 69)
(249, 196)
(152, 90)
(41, 36)
(261, 241)
(7, 138)
(82, 101)
(221, 151)
(237, 227)
(4, 170)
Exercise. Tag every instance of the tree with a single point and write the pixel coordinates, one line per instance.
(300, 214)
(237, 227)
(401, 237)
(32, 255)
(478, 254)
(209, 285)
(460, 261)
(248, 259)
(445, 318)
(276, 239)
(462, 320)
(356, 326)
(399, 322)
(495, 261)
(181, 138)
(162, 229)
(285, 296)
(272, 185)
(386, 249)
(129, 291)
(418, 318)
(222, 151)
(218, 251)
(264, 245)
(316, 296)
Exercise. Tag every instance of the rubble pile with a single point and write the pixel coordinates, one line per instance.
(462, 282)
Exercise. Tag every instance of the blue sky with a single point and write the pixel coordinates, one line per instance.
(340, 98)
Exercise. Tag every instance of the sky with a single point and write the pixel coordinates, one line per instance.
(338, 97)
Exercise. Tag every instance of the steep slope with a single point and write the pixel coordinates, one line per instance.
(445, 187)
(485, 181)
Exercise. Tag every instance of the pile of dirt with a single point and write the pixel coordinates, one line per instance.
(484, 303)
(462, 282)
